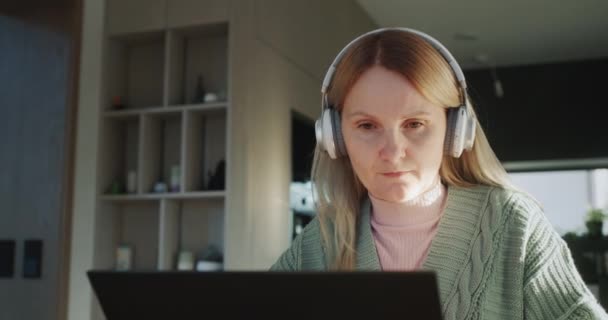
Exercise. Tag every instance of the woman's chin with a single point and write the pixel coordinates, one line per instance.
(397, 195)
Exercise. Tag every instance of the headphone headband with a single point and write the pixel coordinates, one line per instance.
(435, 43)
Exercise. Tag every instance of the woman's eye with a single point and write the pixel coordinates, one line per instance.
(366, 126)
(414, 124)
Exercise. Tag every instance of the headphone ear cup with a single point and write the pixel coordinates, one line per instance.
(337, 133)
(470, 137)
(449, 132)
(324, 131)
(457, 124)
(319, 132)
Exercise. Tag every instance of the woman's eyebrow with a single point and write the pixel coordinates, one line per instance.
(358, 113)
(411, 115)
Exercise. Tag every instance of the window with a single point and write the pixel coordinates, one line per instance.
(566, 195)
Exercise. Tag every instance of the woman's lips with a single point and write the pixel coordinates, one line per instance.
(395, 174)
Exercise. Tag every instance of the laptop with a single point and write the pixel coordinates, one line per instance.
(264, 295)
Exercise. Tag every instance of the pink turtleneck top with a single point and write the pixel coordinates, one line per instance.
(403, 231)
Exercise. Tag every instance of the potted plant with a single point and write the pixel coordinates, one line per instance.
(595, 222)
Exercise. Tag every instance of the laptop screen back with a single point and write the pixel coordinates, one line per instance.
(285, 295)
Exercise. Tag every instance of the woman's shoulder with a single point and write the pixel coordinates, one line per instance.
(498, 201)
(516, 201)
(311, 236)
(499, 194)
(506, 213)
(519, 209)
(303, 248)
(311, 230)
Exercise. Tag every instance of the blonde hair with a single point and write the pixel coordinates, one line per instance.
(339, 192)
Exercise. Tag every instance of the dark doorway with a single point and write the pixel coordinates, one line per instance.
(39, 56)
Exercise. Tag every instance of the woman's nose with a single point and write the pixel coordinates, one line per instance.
(393, 147)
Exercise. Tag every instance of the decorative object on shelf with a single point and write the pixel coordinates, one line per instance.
(185, 261)
(217, 180)
(160, 187)
(202, 265)
(210, 97)
(570, 237)
(595, 222)
(174, 184)
(605, 266)
(132, 181)
(590, 255)
(210, 259)
(124, 258)
(199, 94)
(117, 103)
(115, 188)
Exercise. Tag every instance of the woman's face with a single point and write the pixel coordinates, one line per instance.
(394, 136)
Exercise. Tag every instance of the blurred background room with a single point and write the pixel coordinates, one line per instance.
(160, 135)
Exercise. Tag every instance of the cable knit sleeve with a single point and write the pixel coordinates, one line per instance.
(553, 288)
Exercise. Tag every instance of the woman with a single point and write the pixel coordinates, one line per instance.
(407, 180)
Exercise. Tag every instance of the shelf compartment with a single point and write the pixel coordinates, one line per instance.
(196, 54)
(205, 152)
(134, 224)
(139, 228)
(191, 225)
(136, 71)
(161, 151)
(121, 145)
(201, 226)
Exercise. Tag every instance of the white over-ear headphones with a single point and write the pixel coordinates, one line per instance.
(460, 133)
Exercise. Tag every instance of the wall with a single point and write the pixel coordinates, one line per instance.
(281, 50)
(80, 299)
(37, 65)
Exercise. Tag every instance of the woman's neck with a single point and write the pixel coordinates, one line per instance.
(424, 207)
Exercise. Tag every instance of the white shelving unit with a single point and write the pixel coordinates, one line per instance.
(162, 125)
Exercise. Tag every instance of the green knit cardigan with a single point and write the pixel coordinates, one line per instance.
(495, 255)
